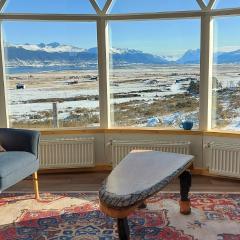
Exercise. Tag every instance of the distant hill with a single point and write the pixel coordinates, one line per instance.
(190, 57)
(56, 53)
(227, 57)
(193, 57)
(135, 56)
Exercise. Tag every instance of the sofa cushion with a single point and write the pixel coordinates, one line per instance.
(15, 166)
(14, 161)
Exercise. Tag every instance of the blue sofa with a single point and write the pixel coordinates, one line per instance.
(21, 157)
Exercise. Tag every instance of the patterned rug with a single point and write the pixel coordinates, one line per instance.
(66, 216)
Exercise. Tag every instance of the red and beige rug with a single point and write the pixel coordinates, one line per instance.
(66, 216)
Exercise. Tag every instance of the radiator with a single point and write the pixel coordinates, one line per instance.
(67, 153)
(119, 149)
(225, 159)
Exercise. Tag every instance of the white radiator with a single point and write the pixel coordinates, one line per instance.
(225, 159)
(67, 153)
(119, 149)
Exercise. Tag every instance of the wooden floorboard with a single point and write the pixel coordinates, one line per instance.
(92, 182)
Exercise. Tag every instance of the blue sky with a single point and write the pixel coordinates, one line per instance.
(131, 6)
(227, 3)
(163, 37)
(48, 6)
(72, 33)
(83, 6)
(226, 33)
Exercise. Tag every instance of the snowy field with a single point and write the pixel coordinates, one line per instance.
(76, 90)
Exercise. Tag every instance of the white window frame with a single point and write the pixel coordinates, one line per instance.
(102, 16)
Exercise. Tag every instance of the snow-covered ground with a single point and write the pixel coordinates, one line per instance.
(19, 108)
(143, 85)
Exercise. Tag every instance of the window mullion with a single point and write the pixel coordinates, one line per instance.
(3, 90)
(206, 72)
(107, 6)
(95, 6)
(201, 4)
(103, 66)
(211, 4)
(2, 4)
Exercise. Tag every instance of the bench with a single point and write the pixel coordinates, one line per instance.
(138, 176)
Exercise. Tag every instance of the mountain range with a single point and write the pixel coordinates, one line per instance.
(56, 53)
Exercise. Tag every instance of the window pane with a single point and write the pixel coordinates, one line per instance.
(136, 6)
(226, 75)
(227, 4)
(49, 6)
(154, 72)
(206, 2)
(47, 63)
(101, 3)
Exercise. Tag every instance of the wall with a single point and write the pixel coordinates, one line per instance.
(102, 140)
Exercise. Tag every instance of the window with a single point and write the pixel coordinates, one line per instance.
(227, 3)
(52, 74)
(226, 75)
(154, 74)
(101, 3)
(46, 6)
(136, 6)
(51, 63)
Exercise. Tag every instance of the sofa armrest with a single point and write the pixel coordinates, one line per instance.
(20, 140)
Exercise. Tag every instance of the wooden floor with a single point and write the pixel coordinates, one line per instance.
(92, 182)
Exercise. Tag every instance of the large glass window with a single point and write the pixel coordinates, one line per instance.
(136, 6)
(52, 74)
(52, 66)
(226, 74)
(154, 72)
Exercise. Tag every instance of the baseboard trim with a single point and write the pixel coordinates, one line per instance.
(97, 168)
(205, 172)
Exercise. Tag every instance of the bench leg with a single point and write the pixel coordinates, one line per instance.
(123, 229)
(185, 184)
(35, 184)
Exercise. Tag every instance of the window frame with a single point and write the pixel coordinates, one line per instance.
(101, 18)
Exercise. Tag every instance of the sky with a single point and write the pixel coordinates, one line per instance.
(226, 33)
(162, 37)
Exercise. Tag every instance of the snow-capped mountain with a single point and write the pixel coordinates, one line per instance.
(62, 54)
(51, 47)
(56, 52)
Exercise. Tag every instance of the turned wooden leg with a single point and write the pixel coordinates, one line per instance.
(185, 184)
(123, 229)
(35, 184)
